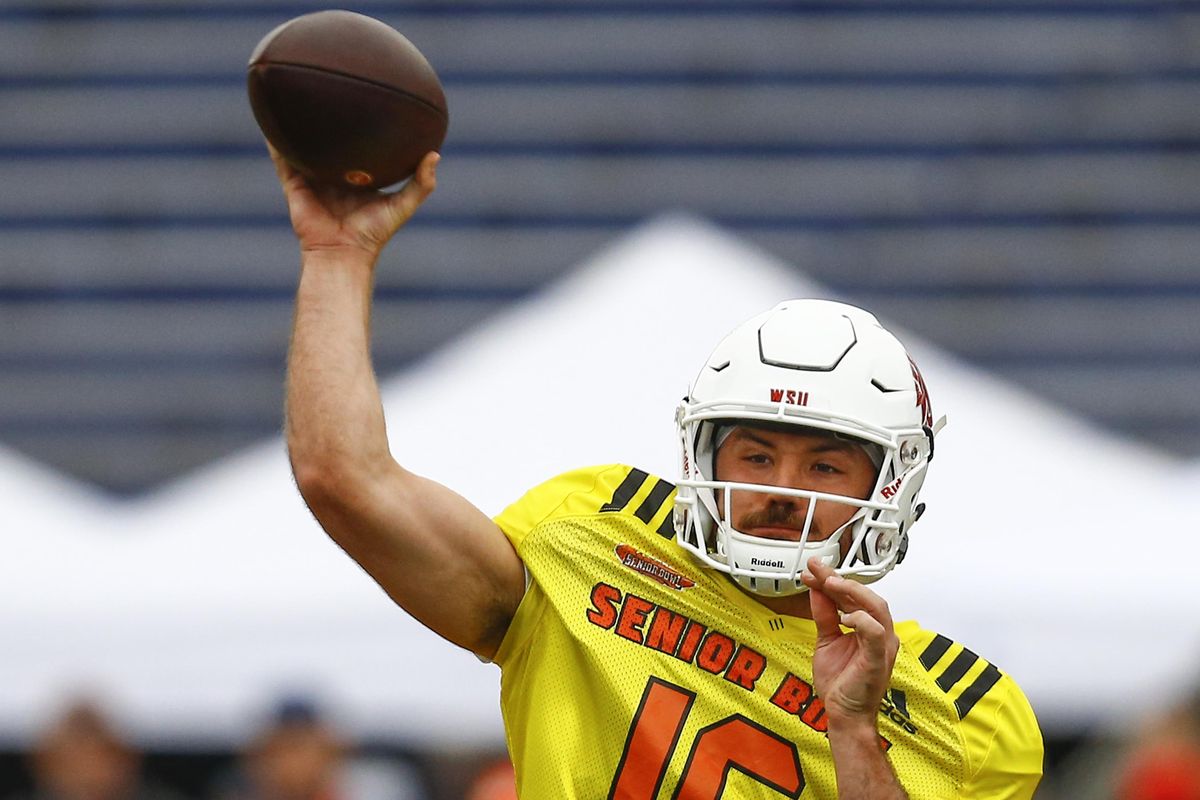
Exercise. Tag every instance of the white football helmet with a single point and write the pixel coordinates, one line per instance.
(813, 364)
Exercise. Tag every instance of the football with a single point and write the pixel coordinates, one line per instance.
(346, 99)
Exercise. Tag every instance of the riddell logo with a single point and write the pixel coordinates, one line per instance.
(652, 568)
(766, 562)
(789, 396)
(890, 490)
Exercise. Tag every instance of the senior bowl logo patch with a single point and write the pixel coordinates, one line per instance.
(652, 568)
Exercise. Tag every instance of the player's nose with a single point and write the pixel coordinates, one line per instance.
(783, 507)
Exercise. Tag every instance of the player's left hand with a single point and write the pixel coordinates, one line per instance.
(852, 669)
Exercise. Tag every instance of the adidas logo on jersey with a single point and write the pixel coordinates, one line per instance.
(652, 568)
(894, 706)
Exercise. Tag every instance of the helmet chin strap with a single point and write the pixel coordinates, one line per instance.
(772, 567)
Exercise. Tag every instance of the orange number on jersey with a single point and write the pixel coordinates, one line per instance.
(733, 743)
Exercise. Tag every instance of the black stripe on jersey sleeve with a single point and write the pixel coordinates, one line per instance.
(625, 492)
(936, 649)
(967, 700)
(653, 501)
(666, 528)
(958, 667)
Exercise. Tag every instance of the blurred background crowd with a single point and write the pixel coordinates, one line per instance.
(1015, 182)
(298, 754)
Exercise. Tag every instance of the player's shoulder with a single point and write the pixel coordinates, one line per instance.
(607, 488)
(589, 490)
(963, 676)
(995, 721)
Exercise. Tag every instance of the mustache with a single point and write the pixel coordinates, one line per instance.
(777, 516)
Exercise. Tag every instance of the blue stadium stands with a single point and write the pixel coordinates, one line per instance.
(1018, 181)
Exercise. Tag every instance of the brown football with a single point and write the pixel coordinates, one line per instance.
(346, 99)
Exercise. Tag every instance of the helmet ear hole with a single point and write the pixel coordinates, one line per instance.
(878, 545)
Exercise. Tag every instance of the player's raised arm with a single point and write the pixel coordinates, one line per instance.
(434, 553)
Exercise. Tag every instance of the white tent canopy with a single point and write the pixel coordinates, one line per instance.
(1049, 548)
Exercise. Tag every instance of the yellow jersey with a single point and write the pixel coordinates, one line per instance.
(630, 672)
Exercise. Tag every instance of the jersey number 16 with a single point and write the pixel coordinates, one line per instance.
(731, 743)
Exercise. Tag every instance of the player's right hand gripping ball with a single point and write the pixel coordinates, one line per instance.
(346, 99)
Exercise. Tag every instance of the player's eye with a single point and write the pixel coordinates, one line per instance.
(826, 467)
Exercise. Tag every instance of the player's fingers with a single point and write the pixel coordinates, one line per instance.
(820, 575)
(292, 182)
(404, 203)
(863, 624)
(426, 176)
(819, 568)
(853, 596)
(824, 610)
(878, 643)
(817, 573)
(825, 614)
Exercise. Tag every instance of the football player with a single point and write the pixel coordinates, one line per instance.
(713, 637)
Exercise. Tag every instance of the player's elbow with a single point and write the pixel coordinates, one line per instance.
(316, 485)
(341, 489)
(326, 483)
(312, 479)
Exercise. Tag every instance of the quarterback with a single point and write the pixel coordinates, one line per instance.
(708, 635)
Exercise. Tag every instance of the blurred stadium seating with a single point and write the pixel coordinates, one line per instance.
(1018, 181)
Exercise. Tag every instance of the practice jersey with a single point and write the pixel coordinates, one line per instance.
(631, 672)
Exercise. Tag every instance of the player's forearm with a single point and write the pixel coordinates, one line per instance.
(335, 418)
(862, 767)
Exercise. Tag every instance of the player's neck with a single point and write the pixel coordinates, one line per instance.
(793, 605)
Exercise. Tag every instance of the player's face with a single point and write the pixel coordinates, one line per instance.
(813, 461)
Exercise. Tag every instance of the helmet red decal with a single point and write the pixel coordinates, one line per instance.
(922, 395)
